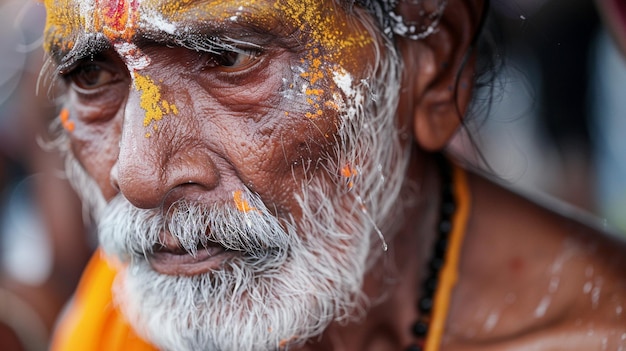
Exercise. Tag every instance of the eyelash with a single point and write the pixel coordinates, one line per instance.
(230, 60)
(85, 69)
(93, 63)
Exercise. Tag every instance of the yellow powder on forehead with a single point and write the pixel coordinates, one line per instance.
(185, 10)
(117, 20)
(335, 42)
(62, 19)
(332, 39)
(151, 100)
(327, 26)
(172, 9)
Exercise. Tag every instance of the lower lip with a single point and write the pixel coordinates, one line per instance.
(206, 260)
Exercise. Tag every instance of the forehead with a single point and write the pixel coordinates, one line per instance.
(126, 20)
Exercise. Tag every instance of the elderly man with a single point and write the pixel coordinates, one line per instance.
(266, 175)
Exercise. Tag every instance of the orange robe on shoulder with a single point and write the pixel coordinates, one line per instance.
(92, 321)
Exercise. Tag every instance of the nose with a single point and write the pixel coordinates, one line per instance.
(162, 163)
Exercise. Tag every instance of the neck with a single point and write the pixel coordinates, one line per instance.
(394, 283)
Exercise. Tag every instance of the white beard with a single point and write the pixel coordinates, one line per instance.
(293, 279)
(287, 292)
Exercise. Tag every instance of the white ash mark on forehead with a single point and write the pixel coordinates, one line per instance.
(134, 58)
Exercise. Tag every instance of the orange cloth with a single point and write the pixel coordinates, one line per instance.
(93, 322)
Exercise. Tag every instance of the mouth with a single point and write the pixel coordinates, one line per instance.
(170, 258)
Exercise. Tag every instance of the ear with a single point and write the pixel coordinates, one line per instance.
(438, 74)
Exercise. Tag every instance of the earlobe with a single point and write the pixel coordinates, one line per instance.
(435, 122)
(441, 74)
(440, 112)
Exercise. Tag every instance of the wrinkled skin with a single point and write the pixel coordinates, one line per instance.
(241, 119)
(529, 278)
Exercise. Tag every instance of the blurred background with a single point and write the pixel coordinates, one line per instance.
(555, 125)
(553, 121)
(43, 242)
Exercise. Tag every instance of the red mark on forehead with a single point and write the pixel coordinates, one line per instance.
(116, 16)
(116, 12)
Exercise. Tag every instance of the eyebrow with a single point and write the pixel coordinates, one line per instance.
(213, 32)
(207, 35)
(85, 45)
(208, 39)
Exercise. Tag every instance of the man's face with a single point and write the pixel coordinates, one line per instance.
(246, 151)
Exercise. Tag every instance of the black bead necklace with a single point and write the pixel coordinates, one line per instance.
(429, 287)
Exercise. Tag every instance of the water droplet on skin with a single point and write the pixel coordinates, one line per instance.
(619, 311)
(491, 321)
(554, 284)
(595, 297)
(541, 309)
(587, 287)
(569, 250)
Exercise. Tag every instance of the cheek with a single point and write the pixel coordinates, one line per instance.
(279, 157)
(95, 146)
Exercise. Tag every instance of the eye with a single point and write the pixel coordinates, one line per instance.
(91, 76)
(233, 61)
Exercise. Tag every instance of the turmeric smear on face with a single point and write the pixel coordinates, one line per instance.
(332, 42)
(64, 116)
(242, 204)
(151, 101)
(63, 19)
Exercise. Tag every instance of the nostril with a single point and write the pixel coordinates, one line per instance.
(152, 182)
(141, 183)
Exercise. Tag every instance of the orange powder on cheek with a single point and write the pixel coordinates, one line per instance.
(64, 116)
(348, 172)
(242, 204)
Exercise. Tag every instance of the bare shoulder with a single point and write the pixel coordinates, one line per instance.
(537, 279)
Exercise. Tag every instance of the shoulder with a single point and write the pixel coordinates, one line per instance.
(537, 276)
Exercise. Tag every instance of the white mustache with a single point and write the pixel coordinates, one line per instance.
(127, 231)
